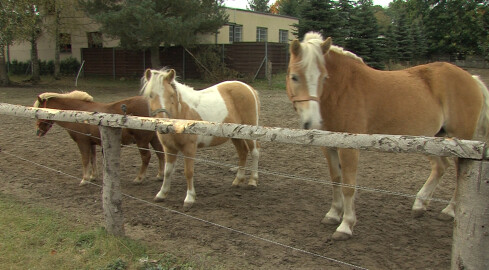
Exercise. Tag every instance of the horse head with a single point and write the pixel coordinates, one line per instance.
(43, 126)
(159, 87)
(306, 76)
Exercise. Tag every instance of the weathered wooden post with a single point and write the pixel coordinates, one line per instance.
(112, 197)
(470, 248)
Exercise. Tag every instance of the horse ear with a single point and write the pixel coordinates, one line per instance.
(295, 47)
(147, 74)
(171, 74)
(326, 45)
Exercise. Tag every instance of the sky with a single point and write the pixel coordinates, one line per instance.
(242, 4)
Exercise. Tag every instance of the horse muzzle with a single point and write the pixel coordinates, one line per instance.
(40, 133)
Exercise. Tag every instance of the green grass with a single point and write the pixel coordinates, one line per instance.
(33, 237)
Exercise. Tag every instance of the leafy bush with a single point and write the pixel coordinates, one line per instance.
(211, 66)
(68, 66)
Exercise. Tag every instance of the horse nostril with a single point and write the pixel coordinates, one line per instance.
(307, 125)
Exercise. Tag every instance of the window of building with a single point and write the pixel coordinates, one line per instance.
(94, 40)
(235, 33)
(64, 42)
(261, 34)
(283, 36)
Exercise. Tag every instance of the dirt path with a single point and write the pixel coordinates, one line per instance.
(287, 210)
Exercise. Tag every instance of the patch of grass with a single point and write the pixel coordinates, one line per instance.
(277, 83)
(38, 238)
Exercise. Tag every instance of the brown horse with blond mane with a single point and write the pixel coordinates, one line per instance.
(88, 136)
(333, 89)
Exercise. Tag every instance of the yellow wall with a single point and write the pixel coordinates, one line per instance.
(79, 25)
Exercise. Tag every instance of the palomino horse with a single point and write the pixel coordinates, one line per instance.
(332, 89)
(87, 136)
(227, 102)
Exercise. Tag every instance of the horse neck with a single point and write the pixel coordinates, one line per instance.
(185, 95)
(342, 69)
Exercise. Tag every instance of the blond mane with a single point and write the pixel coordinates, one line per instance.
(311, 48)
(76, 94)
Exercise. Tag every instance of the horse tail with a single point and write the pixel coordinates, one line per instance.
(254, 93)
(483, 125)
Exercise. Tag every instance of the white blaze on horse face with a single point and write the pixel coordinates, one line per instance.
(309, 111)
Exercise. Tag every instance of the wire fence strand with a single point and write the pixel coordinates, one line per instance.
(256, 237)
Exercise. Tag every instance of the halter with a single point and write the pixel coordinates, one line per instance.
(300, 98)
(157, 111)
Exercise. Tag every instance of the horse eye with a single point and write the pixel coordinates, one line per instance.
(295, 78)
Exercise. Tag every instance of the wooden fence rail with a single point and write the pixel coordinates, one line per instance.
(471, 227)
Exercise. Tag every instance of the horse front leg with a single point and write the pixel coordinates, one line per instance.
(438, 167)
(85, 151)
(189, 153)
(333, 216)
(171, 158)
(349, 162)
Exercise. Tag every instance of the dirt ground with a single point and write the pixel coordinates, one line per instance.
(292, 197)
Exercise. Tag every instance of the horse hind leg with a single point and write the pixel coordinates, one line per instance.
(243, 148)
(145, 158)
(93, 162)
(155, 143)
(423, 198)
(254, 148)
(448, 213)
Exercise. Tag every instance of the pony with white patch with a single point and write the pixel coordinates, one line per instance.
(334, 90)
(226, 102)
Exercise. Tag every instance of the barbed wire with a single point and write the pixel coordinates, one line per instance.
(286, 175)
(196, 218)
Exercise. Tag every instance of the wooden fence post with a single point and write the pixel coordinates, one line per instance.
(112, 197)
(470, 248)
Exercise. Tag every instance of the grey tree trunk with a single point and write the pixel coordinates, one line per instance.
(36, 77)
(4, 80)
(112, 196)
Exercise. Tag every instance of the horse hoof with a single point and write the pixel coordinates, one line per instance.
(158, 199)
(84, 183)
(187, 206)
(444, 217)
(137, 182)
(340, 236)
(330, 221)
(418, 213)
(251, 187)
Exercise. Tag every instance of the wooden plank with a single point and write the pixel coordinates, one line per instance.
(377, 142)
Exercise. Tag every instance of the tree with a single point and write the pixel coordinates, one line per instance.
(259, 5)
(289, 7)
(14, 25)
(320, 16)
(149, 23)
(364, 38)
